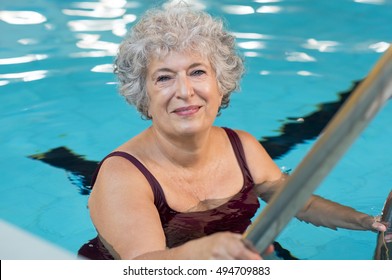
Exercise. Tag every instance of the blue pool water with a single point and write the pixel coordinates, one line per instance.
(58, 98)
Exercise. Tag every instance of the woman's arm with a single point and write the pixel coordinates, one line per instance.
(317, 210)
(122, 210)
(322, 212)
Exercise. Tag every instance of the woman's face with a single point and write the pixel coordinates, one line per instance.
(183, 92)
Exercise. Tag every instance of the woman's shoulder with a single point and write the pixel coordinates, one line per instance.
(246, 138)
(119, 167)
(124, 163)
(119, 178)
(260, 163)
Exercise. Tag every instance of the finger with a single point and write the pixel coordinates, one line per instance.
(270, 249)
(243, 249)
(379, 226)
(247, 254)
(230, 246)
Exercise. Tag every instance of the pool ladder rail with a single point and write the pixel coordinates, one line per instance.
(355, 114)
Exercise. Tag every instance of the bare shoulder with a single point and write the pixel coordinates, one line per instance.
(118, 179)
(117, 170)
(261, 165)
(251, 144)
(123, 211)
(119, 173)
(247, 138)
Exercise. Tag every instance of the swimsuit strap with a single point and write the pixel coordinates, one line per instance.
(156, 188)
(239, 152)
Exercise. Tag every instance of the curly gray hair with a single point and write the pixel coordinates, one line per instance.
(180, 29)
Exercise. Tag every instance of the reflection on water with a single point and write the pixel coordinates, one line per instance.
(246, 10)
(117, 26)
(251, 45)
(104, 68)
(267, 1)
(91, 41)
(299, 57)
(255, 36)
(56, 89)
(22, 59)
(321, 46)
(95, 29)
(238, 9)
(25, 76)
(269, 9)
(376, 2)
(100, 11)
(22, 17)
(380, 47)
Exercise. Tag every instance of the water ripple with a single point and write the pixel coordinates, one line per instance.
(22, 17)
(299, 57)
(25, 76)
(238, 9)
(322, 46)
(22, 59)
(97, 13)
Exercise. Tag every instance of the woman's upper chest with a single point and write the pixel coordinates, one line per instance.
(200, 188)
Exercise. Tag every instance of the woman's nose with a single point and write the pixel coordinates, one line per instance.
(184, 87)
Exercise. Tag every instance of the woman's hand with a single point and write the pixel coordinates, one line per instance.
(374, 223)
(224, 246)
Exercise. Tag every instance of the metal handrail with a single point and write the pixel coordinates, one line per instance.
(336, 138)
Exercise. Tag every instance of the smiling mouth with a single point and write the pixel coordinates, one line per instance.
(187, 110)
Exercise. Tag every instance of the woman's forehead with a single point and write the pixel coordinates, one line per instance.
(175, 56)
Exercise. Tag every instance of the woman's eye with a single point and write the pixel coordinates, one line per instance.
(163, 78)
(198, 72)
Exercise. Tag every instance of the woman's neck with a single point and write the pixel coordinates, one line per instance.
(184, 151)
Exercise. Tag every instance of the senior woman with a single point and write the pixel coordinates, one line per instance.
(184, 188)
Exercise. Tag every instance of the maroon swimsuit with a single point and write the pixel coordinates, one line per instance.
(234, 215)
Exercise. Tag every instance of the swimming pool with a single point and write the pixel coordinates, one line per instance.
(60, 112)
